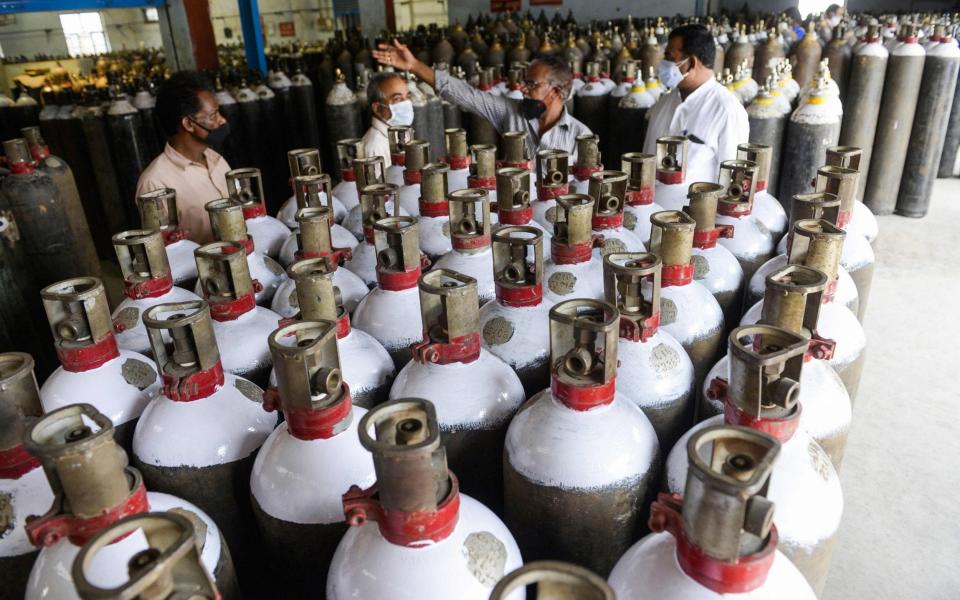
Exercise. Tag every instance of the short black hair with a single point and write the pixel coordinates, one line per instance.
(697, 41)
(178, 97)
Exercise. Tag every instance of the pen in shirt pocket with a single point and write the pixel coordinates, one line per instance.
(694, 139)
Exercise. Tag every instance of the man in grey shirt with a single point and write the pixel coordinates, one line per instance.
(541, 113)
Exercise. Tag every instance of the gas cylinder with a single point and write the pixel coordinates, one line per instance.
(398, 136)
(768, 123)
(741, 50)
(688, 311)
(862, 220)
(23, 487)
(304, 104)
(370, 171)
(251, 118)
(929, 129)
(146, 281)
(93, 369)
(391, 311)
(342, 116)
(469, 211)
(94, 489)
(457, 157)
(817, 205)
(766, 55)
(553, 174)
(305, 162)
(838, 55)
(590, 102)
(433, 112)
(573, 270)
(630, 116)
(650, 51)
(654, 372)
(168, 552)
(751, 241)
(346, 191)
(862, 103)
(240, 325)
(421, 120)
(366, 365)
(792, 301)
(268, 233)
(475, 392)
(553, 580)
(228, 225)
(92, 141)
(229, 109)
(313, 191)
(766, 208)
(762, 391)
(82, 249)
(363, 103)
(452, 114)
(478, 129)
(483, 176)
(516, 154)
(819, 247)
(898, 105)
(641, 170)
(54, 248)
(313, 240)
(670, 191)
(301, 472)
(434, 221)
(158, 212)
(557, 459)
(146, 104)
(613, 141)
(513, 200)
(857, 256)
(415, 157)
(653, 86)
(127, 146)
(805, 57)
(608, 190)
(719, 538)
(813, 127)
(587, 163)
(515, 327)
(459, 549)
(714, 266)
(788, 85)
(377, 202)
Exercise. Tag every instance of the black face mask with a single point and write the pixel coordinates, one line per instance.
(532, 109)
(215, 137)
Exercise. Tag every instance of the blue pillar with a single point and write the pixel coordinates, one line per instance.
(252, 36)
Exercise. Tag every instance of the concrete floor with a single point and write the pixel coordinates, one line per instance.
(901, 471)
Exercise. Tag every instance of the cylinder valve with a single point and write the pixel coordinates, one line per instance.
(702, 201)
(397, 242)
(433, 190)
(483, 166)
(671, 238)
(246, 187)
(608, 190)
(553, 169)
(641, 170)
(739, 180)
(672, 159)
(158, 212)
(469, 220)
(415, 158)
(143, 263)
(450, 311)
(553, 580)
(190, 362)
(583, 352)
(369, 170)
(227, 222)
(373, 205)
(225, 280)
(631, 282)
(312, 191)
(518, 265)
(513, 196)
(573, 237)
(304, 162)
(514, 145)
(455, 141)
(79, 318)
(348, 150)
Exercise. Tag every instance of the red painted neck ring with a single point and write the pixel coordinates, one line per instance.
(457, 162)
(52, 527)
(21, 168)
(583, 173)
(583, 398)
(780, 428)
(149, 288)
(761, 185)
(195, 386)
(348, 175)
(570, 254)
(483, 183)
(676, 275)
(398, 159)
(463, 349)
(735, 210)
(521, 216)
(639, 331)
(524, 164)
(528, 295)
(415, 529)
(707, 238)
(601, 222)
(318, 423)
(641, 197)
(233, 309)
(86, 358)
(830, 292)
(16, 462)
(412, 177)
(39, 152)
(843, 218)
(173, 235)
(552, 192)
(670, 177)
(434, 209)
(397, 281)
(368, 235)
(744, 574)
(252, 211)
(343, 326)
(247, 243)
(471, 243)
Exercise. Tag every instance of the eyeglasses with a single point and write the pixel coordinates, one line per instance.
(532, 85)
(207, 119)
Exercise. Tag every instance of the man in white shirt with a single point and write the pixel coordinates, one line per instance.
(390, 105)
(697, 107)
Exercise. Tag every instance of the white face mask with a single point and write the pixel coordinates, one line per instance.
(401, 113)
(669, 72)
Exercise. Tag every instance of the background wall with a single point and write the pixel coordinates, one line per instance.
(585, 10)
(308, 17)
(125, 28)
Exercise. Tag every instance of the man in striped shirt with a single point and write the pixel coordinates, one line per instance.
(541, 113)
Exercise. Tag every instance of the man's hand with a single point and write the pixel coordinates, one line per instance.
(397, 56)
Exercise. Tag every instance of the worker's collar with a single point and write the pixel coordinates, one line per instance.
(183, 162)
(379, 124)
(700, 91)
(564, 121)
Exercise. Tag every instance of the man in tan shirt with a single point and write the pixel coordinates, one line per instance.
(190, 116)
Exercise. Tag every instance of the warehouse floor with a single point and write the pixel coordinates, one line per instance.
(901, 471)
